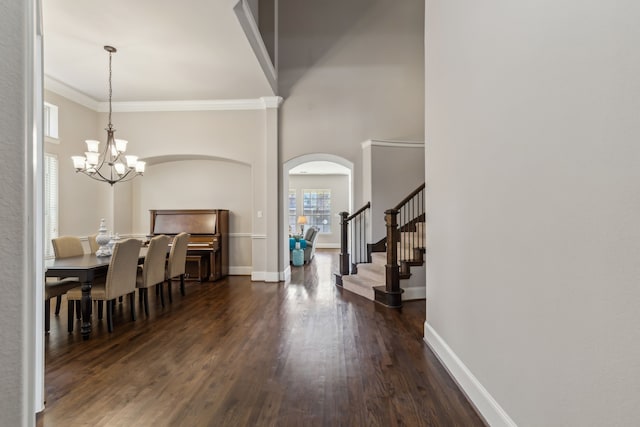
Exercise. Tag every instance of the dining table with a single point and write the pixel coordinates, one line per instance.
(86, 268)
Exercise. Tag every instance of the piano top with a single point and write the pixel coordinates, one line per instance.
(192, 221)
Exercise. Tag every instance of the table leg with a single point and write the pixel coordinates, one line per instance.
(85, 329)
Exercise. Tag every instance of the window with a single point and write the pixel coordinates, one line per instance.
(316, 206)
(292, 210)
(50, 203)
(50, 121)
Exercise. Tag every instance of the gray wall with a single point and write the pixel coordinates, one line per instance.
(350, 71)
(16, 250)
(533, 193)
(396, 170)
(339, 186)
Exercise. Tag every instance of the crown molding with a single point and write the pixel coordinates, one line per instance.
(57, 87)
(74, 95)
(271, 101)
(193, 105)
(392, 143)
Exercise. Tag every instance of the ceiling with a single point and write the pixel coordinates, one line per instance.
(167, 50)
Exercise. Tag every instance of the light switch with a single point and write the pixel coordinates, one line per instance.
(259, 214)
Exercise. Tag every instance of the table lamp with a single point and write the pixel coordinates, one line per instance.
(302, 220)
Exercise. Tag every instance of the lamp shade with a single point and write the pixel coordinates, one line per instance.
(302, 219)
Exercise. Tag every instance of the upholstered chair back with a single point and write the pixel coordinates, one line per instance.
(123, 268)
(93, 243)
(67, 246)
(178, 255)
(154, 263)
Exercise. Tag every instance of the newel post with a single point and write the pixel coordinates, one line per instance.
(344, 244)
(392, 270)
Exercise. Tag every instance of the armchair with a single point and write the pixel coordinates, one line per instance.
(310, 236)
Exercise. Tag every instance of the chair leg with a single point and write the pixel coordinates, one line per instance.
(182, 284)
(145, 299)
(169, 290)
(120, 299)
(47, 315)
(58, 302)
(70, 318)
(132, 303)
(100, 310)
(141, 295)
(161, 286)
(110, 305)
(78, 310)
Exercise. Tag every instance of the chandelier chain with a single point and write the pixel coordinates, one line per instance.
(110, 90)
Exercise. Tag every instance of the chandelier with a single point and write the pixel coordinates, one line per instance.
(111, 165)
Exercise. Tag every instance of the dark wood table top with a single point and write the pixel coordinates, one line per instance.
(77, 265)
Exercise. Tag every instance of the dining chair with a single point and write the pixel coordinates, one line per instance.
(63, 247)
(55, 287)
(93, 243)
(176, 266)
(119, 281)
(153, 269)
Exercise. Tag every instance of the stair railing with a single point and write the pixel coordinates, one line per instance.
(403, 218)
(353, 239)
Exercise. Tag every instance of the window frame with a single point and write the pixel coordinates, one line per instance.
(316, 218)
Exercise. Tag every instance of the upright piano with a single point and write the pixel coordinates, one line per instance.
(209, 230)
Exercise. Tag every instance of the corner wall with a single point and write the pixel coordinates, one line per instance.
(533, 186)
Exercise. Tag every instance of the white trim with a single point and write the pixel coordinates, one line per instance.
(252, 32)
(392, 143)
(328, 245)
(484, 403)
(237, 235)
(265, 276)
(414, 292)
(271, 101)
(74, 95)
(240, 270)
(259, 236)
(70, 93)
(285, 275)
(184, 105)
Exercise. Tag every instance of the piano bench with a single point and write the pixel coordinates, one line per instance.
(196, 262)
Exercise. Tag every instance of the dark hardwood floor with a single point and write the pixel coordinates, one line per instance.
(242, 353)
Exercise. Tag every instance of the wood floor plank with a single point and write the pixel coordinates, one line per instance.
(242, 353)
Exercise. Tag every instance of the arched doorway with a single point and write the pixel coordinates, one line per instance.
(315, 173)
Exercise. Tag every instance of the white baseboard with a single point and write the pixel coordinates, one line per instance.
(285, 275)
(328, 245)
(265, 276)
(484, 403)
(414, 292)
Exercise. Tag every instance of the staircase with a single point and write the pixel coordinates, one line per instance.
(377, 271)
(369, 276)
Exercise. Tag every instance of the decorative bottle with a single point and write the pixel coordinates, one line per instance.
(103, 240)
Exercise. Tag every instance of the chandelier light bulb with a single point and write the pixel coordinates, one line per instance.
(119, 168)
(92, 145)
(78, 162)
(131, 161)
(121, 145)
(140, 165)
(92, 158)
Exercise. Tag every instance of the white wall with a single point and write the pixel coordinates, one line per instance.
(533, 183)
(349, 71)
(199, 184)
(82, 200)
(339, 186)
